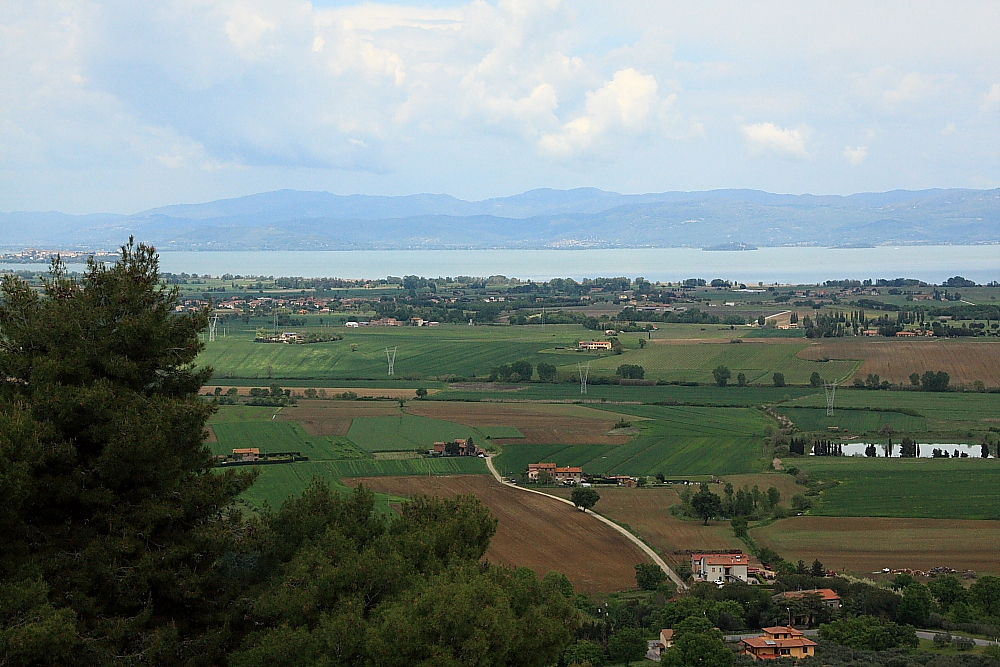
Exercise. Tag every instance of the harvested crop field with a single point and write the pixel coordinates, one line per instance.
(534, 531)
(964, 360)
(863, 545)
(647, 513)
(333, 418)
(548, 424)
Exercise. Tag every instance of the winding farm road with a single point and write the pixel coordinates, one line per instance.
(655, 557)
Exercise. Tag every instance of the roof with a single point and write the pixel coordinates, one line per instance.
(724, 559)
(248, 450)
(826, 594)
(765, 642)
(570, 470)
(667, 634)
(541, 466)
(783, 630)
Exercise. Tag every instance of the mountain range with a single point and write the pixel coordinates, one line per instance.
(544, 218)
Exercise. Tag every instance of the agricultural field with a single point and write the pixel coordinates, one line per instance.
(331, 418)
(273, 437)
(405, 432)
(330, 391)
(965, 360)
(422, 352)
(694, 362)
(596, 393)
(674, 440)
(537, 423)
(535, 531)
(946, 412)
(908, 488)
(854, 421)
(862, 545)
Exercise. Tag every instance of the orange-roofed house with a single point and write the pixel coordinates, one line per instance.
(782, 641)
(247, 454)
(570, 474)
(826, 596)
(720, 568)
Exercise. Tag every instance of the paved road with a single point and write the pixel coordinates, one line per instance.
(639, 543)
(929, 634)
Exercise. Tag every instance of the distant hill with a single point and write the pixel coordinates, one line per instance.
(583, 218)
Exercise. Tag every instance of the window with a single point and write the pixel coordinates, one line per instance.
(785, 651)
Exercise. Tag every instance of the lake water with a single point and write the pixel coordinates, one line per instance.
(768, 265)
(925, 451)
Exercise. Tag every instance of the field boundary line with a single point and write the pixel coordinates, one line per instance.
(632, 538)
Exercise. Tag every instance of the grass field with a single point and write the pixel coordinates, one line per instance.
(674, 440)
(404, 432)
(273, 437)
(758, 360)
(422, 352)
(910, 488)
(701, 395)
(964, 360)
(946, 412)
(855, 421)
(864, 545)
(536, 532)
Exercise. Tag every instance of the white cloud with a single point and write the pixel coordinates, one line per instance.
(856, 154)
(623, 105)
(768, 137)
(991, 100)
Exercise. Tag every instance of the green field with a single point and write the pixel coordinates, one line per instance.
(946, 412)
(855, 421)
(695, 362)
(422, 352)
(672, 440)
(701, 395)
(918, 488)
(271, 437)
(405, 432)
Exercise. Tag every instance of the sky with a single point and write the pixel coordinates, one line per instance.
(118, 106)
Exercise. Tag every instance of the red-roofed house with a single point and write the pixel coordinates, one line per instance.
(558, 474)
(720, 568)
(778, 642)
(826, 596)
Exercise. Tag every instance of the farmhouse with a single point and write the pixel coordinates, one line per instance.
(595, 345)
(247, 454)
(825, 596)
(778, 642)
(720, 567)
(457, 447)
(564, 475)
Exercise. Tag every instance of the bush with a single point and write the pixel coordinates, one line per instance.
(778, 379)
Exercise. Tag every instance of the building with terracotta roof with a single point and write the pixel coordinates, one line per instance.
(566, 474)
(803, 614)
(720, 568)
(782, 641)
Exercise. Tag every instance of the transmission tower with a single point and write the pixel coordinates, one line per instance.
(831, 392)
(212, 324)
(584, 372)
(390, 356)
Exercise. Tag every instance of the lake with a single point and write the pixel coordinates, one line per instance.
(784, 265)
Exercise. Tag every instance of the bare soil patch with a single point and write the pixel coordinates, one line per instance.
(863, 545)
(891, 359)
(333, 418)
(210, 435)
(647, 513)
(535, 532)
(541, 424)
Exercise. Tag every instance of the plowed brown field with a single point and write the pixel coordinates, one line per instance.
(964, 360)
(541, 424)
(647, 512)
(535, 531)
(863, 545)
(334, 417)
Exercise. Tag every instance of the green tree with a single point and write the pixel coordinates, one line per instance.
(626, 646)
(421, 392)
(648, 576)
(522, 368)
(761, 320)
(584, 498)
(722, 375)
(697, 644)
(109, 497)
(546, 372)
(948, 591)
(915, 379)
(741, 380)
(817, 569)
(778, 379)
(773, 496)
(544, 477)
(985, 595)
(631, 372)
(706, 504)
(815, 380)
(584, 651)
(915, 606)
(868, 633)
